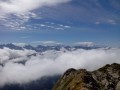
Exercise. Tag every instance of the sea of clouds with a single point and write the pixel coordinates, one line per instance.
(50, 63)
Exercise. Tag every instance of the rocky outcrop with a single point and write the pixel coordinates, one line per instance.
(105, 78)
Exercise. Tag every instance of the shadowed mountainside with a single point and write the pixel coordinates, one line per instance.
(45, 83)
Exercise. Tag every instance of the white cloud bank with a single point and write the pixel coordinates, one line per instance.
(23, 6)
(47, 43)
(87, 44)
(52, 62)
(9, 54)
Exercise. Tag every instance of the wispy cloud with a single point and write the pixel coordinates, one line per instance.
(11, 8)
(87, 44)
(20, 44)
(47, 43)
(89, 11)
(74, 11)
(14, 7)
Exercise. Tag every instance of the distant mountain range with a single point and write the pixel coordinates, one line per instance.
(42, 48)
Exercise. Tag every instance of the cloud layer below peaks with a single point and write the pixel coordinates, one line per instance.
(50, 63)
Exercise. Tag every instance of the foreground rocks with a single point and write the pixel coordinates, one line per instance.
(105, 78)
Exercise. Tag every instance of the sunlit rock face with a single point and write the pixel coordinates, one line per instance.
(105, 78)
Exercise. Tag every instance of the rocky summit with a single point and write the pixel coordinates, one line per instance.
(105, 78)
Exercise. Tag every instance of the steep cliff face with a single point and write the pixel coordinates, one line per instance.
(108, 77)
(105, 78)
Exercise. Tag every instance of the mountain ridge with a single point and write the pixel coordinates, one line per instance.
(42, 48)
(105, 78)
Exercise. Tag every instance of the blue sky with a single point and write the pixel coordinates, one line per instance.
(66, 21)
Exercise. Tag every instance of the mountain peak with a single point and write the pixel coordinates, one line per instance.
(105, 78)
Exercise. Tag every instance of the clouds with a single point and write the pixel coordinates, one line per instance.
(53, 62)
(47, 43)
(6, 54)
(20, 44)
(89, 11)
(86, 44)
(73, 11)
(24, 6)
(21, 11)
